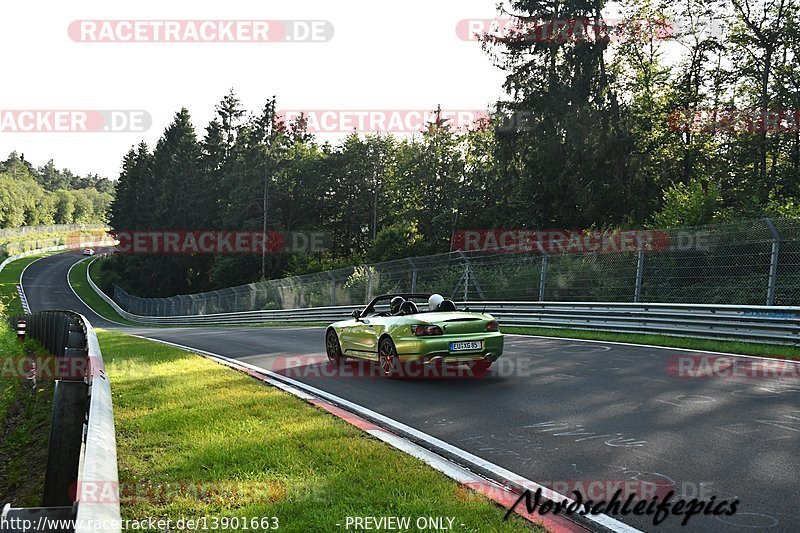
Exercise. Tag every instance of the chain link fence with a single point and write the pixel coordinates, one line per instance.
(743, 263)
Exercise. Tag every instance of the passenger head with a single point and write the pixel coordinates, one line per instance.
(435, 301)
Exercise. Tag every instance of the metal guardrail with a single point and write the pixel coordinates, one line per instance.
(82, 457)
(764, 324)
(770, 325)
(32, 252)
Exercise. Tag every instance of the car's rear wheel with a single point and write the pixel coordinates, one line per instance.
(387, 357)
(333, 348)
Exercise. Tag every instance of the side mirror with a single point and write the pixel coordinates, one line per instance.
(356, 314)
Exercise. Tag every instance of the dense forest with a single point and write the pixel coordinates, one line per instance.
(600, 147)
(31, 196)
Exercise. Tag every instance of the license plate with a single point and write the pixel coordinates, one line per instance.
(466, 346)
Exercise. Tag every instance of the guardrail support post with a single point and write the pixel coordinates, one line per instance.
(543, 278)
(369, 281)
(773, 263)
(413, 274)
(70, 401)
(333, 288)
(637, 296)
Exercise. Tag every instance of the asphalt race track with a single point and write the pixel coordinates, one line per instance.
(553, 411)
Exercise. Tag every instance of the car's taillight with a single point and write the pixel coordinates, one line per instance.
(492, 326)
(424, 331)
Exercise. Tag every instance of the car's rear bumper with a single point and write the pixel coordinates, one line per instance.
(436, 350)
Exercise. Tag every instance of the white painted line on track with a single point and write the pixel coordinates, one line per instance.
(21, 287)
(89, 307)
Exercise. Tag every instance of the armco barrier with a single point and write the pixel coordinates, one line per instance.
(82, 451)
(764, 324)
(771, 325)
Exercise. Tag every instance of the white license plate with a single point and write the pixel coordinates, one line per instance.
(466, 346)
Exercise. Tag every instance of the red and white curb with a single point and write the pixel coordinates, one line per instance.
(504, 487)
(23, 300)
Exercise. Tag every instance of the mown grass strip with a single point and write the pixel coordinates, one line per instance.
(195, 438)
(744, 348)
(77, 279)
(9, 279)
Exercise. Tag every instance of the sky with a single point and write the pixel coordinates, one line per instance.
(382, 56)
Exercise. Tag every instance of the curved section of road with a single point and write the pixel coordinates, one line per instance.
(564, 413)
(46, 287)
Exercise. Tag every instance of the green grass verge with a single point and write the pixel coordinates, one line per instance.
(9, 279)
(744, 348)
(9, 347)
(196, 438)
(25, 410)
(77, 279)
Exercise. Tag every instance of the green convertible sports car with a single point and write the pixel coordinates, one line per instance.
(406, 341)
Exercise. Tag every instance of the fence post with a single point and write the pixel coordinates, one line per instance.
(369, 282)
(413, 274)
(773, 262)
(637, 296)
(333, 288)
(543, 277)
(469, 275)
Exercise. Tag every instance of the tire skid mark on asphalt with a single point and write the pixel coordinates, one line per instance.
(615, 440)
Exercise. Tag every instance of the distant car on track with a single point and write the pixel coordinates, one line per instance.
(403, 339)
(88, 251)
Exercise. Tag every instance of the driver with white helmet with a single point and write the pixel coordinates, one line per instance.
(434, 302)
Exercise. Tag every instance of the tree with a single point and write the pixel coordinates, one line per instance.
(52, 179)
(689, 204)
(12, 213)
(65, 207)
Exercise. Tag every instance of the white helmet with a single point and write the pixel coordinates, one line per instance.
(435, 301)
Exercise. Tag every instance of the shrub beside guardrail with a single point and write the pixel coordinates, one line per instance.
(82, 452)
